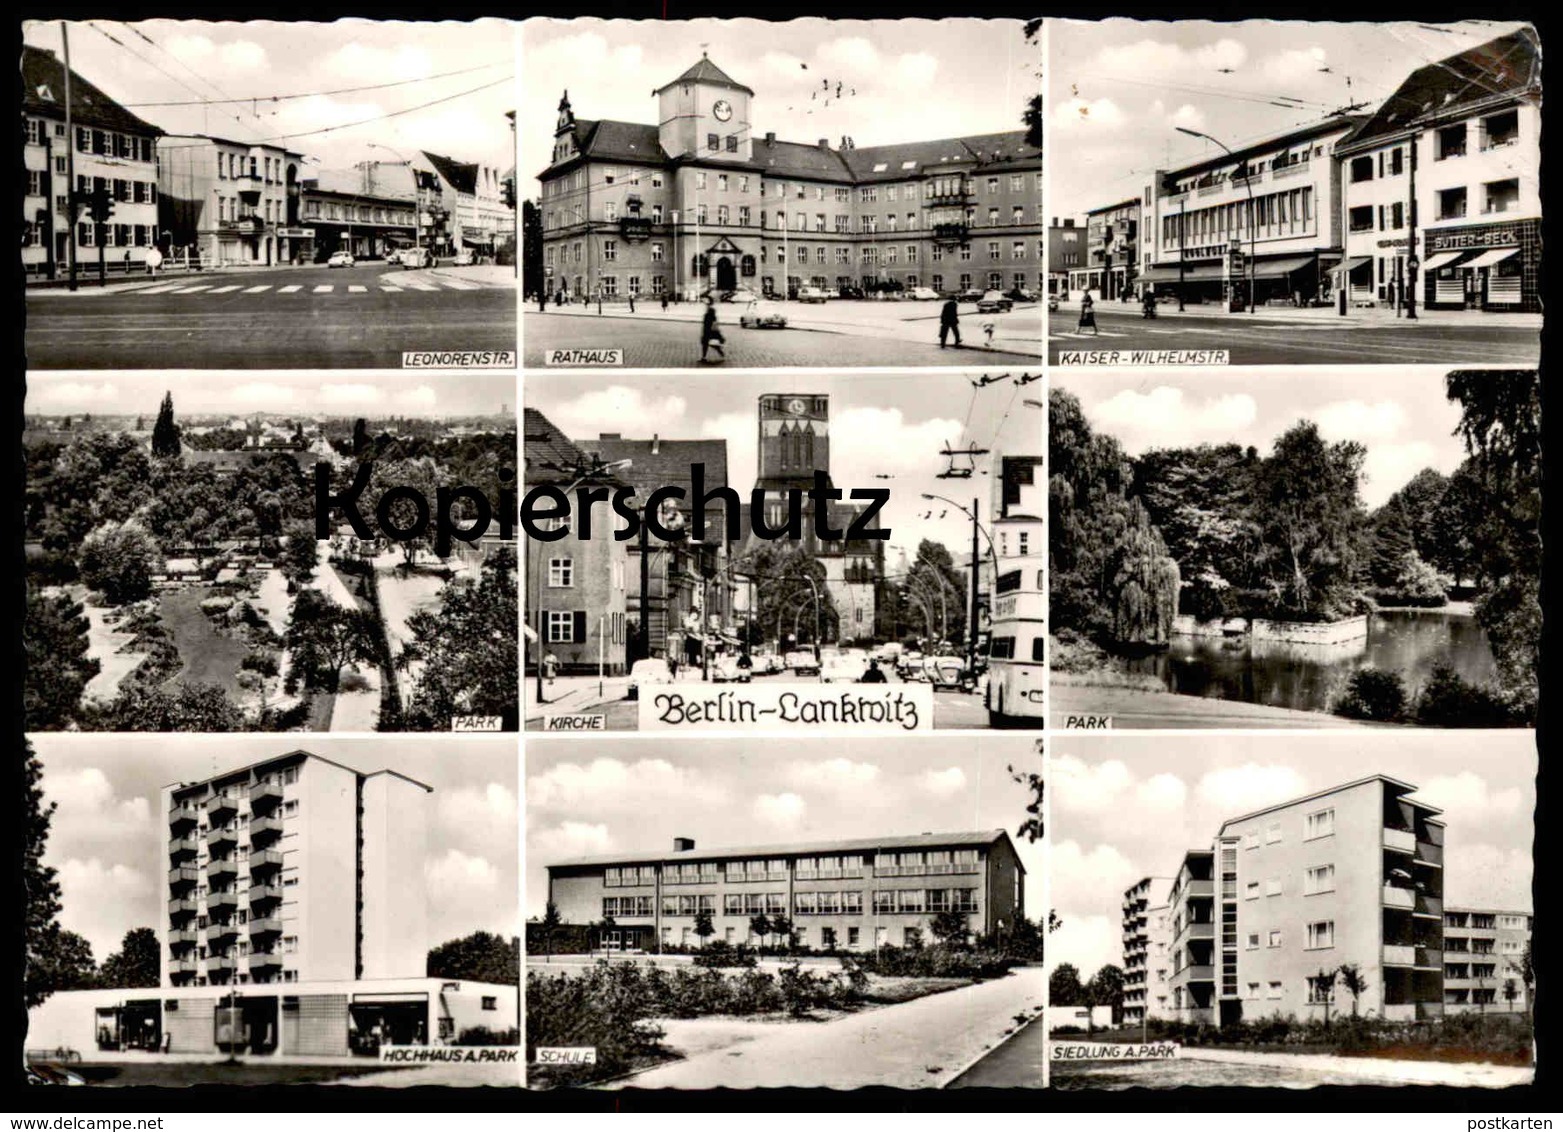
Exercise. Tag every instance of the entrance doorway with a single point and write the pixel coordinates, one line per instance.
(726, 275)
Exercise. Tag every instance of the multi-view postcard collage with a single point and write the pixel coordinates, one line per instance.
(594, 554)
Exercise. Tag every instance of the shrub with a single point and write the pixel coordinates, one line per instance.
(483, 1036)
(213, 606)
(1449, 700)
(263, 662)
(1372, 694)
(720, 953)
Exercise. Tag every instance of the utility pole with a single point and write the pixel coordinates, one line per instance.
(1183, 239)
(1412, 262)
(70, 165)
(971, 625)
(644, 636)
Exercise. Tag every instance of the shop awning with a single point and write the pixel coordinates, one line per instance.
(1193, 273)
(1281, 268)
(1353, 263)
(1487, 259)
(1442, 259)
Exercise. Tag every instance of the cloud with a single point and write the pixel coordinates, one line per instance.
(67, 394)
(622, 409)
(363, 61)
(1088, 942)
(832, 774)
(1081, 113)
(101, 901)
(1485, 876)
(478, 816)
(780, 809)
(1387, 467)
(341, 395)
(1147, 58)
(916, 70)
(1167, 415)
(1162, 792)
(1358, 420)
(1292, 66)
(1084, 787)
(420, 397)
(1240, 789)
(853, 55)
(1469, 794)
(240, 55)
(456, 873)
(609, 785)
(570, 839)
(943, 783)
(86, 802)
(1085, 882)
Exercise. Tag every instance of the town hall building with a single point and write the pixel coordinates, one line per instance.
(702, 201)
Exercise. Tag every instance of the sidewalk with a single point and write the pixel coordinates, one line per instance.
(566, 695)
(1354, 316)
(1375, 1070)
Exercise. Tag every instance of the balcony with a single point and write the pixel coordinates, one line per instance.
(264, 960)
(182, 937)
(1399, 955)
(216, 837)
(222, 808)
(262, 829)
(1431, 958)
(949, 197)
(1195, 973)
(263, 893)
(183, 967)
(221, 902)
(1429, 854)
(1430, 906)
(1400, 840)
(265, 925)
(219, 965)
(182, 814)
(216, 870)
(1196, 889)
(262, 860)
(216, 931)
(181, 848)
(265, 795)
(1402, 898)
(951, 233)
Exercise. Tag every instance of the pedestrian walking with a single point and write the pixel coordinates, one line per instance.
(950, 323)
(542, 300)
(710, 335)
(664, 302)
(550, 667)
(632, 302)
(1087, 313)
(127, 261)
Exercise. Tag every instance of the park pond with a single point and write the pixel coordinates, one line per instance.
(1308, 677)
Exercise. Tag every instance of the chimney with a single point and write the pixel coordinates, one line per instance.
(656, 444)
(770, 138)
(683, 844)
(609, 436)
(824, 143)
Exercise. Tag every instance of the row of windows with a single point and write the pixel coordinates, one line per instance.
(1317, 879)
(783, 190)
(848, 903)
(287, 976)
(108, 143)
(888, 254)
(840, 223)
(1321, 934)
(235, 166)
(1285, 213)
(363, 213)
(907, 862)
(635, 284)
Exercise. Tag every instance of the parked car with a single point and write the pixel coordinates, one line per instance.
(801, 662)
(341, 259)
(843, 668)
(1021, 295)
(763, 314)
(848, 291)
(970, 295)
(648, 673)
(740, 295)
(909, 665)
(812, 295)
(994, 301)
(416, 257)
(725, 669)
(888, 652)
(924, 294)
(463, 259)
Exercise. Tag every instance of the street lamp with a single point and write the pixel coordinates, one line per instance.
(599, 470)
(971, 513)
(1248, 183)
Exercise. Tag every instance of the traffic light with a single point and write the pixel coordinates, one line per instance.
(100, 204)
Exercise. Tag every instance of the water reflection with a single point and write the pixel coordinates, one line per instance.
(1308, 677)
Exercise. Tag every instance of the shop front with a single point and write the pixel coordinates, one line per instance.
(296, 245)
(1489, 267)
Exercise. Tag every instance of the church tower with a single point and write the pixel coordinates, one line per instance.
(705, 114)
(564, 131)
(794, 440)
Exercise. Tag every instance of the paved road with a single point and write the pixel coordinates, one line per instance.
(918, 1044)
(287, 318)
(1017, 1064)
(655, 344)
(1259, 340)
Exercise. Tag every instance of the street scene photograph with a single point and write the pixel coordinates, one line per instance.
(246, 912)
(706, 914)
(175, 580)
(1304, 548)
(1295, 193)
(268, 195)
(763, 580)
(781, 193)
(1290, 911)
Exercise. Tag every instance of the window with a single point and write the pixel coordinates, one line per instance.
(1253, 941)
(713, 142)
(1321, 934)
(700, 179)
(1253, 990)
(1450, 143)
(854, 934)
(722, 216)
(1273, 886)
(1275, 990)
(1451, 203)
(1274, 939)
(561, 627)
(1251, 840)
(743, 215)
(1319, 824)
(1501, 130)
(732, 143)
(1251, 892)
(561, 573)
(1501, 196)
(1273, 833)
(657, 252)
(490, 1002)
(610, 250)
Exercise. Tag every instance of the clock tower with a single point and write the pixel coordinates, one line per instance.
(794, 440)
(704, 114)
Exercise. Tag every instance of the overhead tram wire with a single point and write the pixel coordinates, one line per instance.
(323, 93)
(117, 42)
(391, 114)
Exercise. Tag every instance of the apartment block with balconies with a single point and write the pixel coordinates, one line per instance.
(1484, 957)
(294, 869)
(846, 895)
(1193, 929)
(1147, 951)
(234, 202)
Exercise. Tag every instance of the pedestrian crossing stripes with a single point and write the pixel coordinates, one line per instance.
(289, 289)
(393, 285)
(354, 288)
(225, 290)
(1076, 334)
(324, 288)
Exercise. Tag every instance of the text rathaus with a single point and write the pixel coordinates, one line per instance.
(699, 202)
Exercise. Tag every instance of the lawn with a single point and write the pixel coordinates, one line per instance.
(208, 657)
(181, 1073)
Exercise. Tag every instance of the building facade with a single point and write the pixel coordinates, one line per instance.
(1484, 960)
(702, 201)
(1442, 190)
(112, 150)
(1289, 894)
(478, 218)
(233, 202)
(839, 895)
(1110, 269)
(1277, 202)
(1065, 255)
(1147, 947)
(342, 218)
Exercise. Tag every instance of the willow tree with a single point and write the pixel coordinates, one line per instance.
(1145, 582)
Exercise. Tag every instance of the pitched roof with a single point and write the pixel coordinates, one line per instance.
(709, 73)
(547, 455)
(667, 463)
(462, 175)
(43, 74)
(906, 159)
(795, 159)
(1508, 66)
(619, 141)
(801, 848)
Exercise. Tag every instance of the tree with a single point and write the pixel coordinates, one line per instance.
(533, 278)
(59, 960)
(783, 596)
(1355, 982)
(704, 928)
(950, 928)
(137, 963)
(361, 440)
(783, 927)
(1063, 986)
(1106, 989)
(40, 885)
(165, 433)
(324, 638)
(1528, 975)
(1031, 118)
(1145, 582)
(141, 706)
(1321, 988)
(118, 560)
(549, 924)
(58, 665)
(423, 476)
(1031, 828)
(468, 650)
(300, 554)
(483, 957)
(760, 927)
(1511, 991)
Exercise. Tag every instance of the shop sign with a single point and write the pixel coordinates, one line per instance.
(1484, 236)
(296, 233)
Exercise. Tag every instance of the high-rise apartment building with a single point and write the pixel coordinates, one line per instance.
(1289, 894)
(1147, 951)
(1484, 958)
(853, 894)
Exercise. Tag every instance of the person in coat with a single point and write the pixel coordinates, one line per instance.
(949, 323)
(1087, 313)
(710, 335)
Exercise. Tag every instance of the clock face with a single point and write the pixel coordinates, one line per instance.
(796, 406)
(723, 109)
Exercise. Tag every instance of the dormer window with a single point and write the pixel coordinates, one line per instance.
(45, 93)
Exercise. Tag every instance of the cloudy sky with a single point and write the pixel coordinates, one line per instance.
(107, 840)
(1120, 88)
(297, 391)
(198, 61)
(1399, 414)
(1130, 806)
(915, 80)
(892, 425)
(634, 795)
